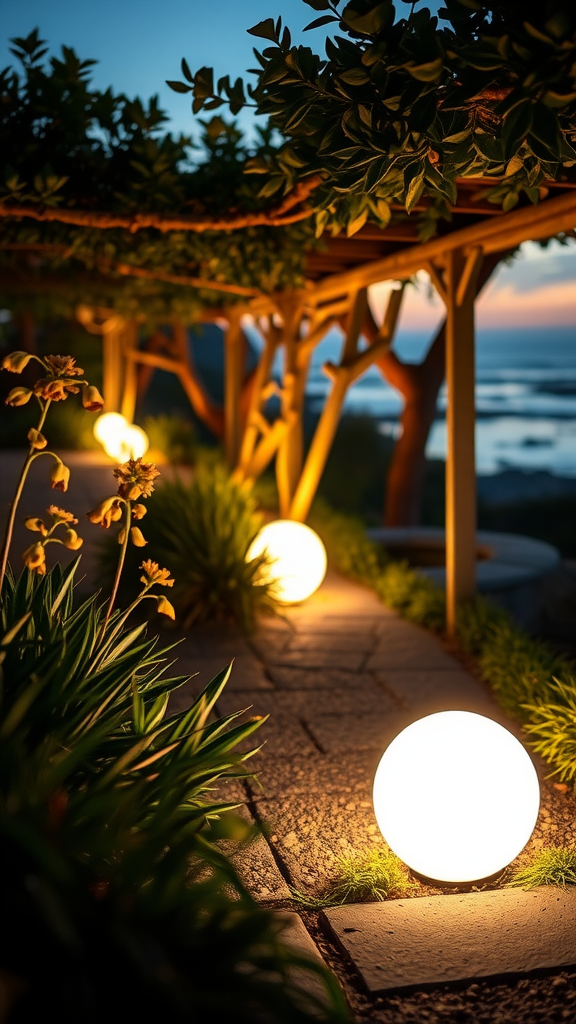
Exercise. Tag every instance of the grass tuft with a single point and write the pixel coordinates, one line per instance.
(554, 865)
(372, 875)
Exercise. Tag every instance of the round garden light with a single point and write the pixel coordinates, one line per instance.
(456, 796)
(299, 558)
(121, 440)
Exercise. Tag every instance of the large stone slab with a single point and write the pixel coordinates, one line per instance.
(430, 690)
(433, 940)
(402, 645)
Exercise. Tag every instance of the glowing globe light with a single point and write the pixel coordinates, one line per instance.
(121, 440)
(456, 796)
(135, 441)
(109, 427)
(299, 558)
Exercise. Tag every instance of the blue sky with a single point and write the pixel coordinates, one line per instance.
(139, 44)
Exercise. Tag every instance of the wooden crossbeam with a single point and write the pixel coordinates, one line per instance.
(506, 232)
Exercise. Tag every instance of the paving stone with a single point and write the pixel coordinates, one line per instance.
(434, 940)
(315, 809)
(402, 645)
(296, 936)
(338, 641)
(256, 866)
(372, 731)
(308, 704)
(431, 690)
(288, 678)
(322, 659)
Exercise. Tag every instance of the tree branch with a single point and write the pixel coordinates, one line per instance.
(277, 216)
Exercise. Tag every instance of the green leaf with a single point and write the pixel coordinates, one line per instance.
(186, 71)
(415, 190)
(265, 30)
(546, 128)
(558, 99)
(358, 222)
(179, 86)
(516, 127)
(371, 22)
(319, 22)
(355, 76)
(427, 72)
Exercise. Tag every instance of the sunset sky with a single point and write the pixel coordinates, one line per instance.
(139, 44)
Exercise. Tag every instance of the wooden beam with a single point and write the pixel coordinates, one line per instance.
(254, 417)
(461, 279)
(511, 229)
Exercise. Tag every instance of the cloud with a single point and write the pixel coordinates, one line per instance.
(537, 290)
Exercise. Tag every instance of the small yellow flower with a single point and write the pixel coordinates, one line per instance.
(137, 538)
(136, 479)
(91, 398)
(71, 540)
(154, 574)
(108, 511)
(37, 440)
(36, 525)
(122, 535)
(59, 477)
(60, 515)
(34, 558)
(19, 396)
(139, 511)
(16, 361)
(163, 607)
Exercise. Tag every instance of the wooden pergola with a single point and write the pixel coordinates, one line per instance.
(335, 293)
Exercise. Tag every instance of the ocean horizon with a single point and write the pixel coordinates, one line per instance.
(525, 396)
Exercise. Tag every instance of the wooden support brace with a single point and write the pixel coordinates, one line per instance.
(328, 422)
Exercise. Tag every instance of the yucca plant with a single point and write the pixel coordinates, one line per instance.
(116, 899)
(203, 530)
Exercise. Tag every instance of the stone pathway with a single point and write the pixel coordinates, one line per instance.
(339, 676)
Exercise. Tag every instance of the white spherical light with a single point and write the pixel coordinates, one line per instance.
(456, 796)
(109, 428)
(121, 440)
(299, 558)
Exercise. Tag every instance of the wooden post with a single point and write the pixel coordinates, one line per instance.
(254, 416)
(233, 349)
(290, 450)
(460, 287)
(130, 376)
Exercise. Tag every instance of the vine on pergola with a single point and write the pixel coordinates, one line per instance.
(95, 192)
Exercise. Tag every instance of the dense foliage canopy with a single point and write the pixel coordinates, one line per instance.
(401, 107)
(66, 145)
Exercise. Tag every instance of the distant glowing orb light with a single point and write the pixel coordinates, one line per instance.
(121, 440)
(299, 558)
(456, 796)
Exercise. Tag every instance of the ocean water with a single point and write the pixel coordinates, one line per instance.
(525, 397)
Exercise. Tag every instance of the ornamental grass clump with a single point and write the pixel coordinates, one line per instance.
(554, 865)
(372, 875)
(203, 530)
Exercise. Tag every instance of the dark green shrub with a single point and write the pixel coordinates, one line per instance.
(115, 898)
(349, 550)
(202, 530)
